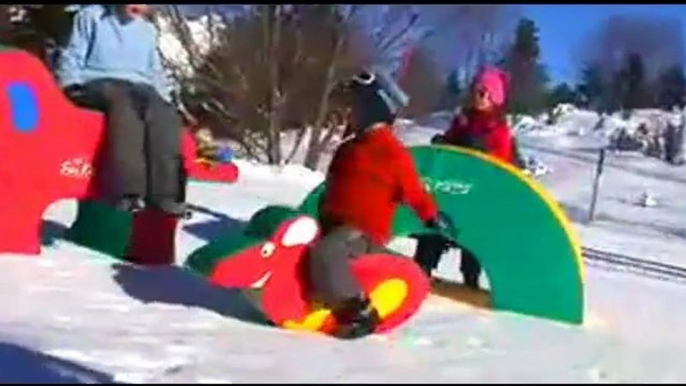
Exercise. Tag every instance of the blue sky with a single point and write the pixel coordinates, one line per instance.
(562, 28)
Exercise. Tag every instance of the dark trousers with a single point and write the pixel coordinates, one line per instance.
(331, 278)
(143, 155)
(429, 251)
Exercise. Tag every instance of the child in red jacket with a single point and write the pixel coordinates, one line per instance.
(481, 126)
(369, 176)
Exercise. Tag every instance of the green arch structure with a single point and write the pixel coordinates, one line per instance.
(516, 230)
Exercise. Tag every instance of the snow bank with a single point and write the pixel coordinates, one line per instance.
(290, 173)
(527, 124)
(415, 133)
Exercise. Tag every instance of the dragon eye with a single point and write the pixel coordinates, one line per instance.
(267, 250)
(301, 232)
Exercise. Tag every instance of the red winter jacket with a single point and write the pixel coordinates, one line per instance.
(367, 179)
(482, 131)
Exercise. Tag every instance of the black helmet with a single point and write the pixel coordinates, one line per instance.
(377, 97)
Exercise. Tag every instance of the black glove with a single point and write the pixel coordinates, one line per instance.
(438, 139)
(444, 225)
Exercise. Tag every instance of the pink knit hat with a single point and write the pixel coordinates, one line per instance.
(495, 81)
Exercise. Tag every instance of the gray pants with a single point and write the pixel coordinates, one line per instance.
(143, 155)
(330, 274)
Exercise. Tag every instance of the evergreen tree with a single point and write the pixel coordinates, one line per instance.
(562, 93)
(593, 90)
(632, 89)
(671, 87)
(528, 76)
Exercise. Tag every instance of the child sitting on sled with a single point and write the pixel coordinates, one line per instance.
(481, 126)
(370, 175)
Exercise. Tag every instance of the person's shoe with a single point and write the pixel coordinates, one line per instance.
(471, 281)
(174, 208)
(356, 318)
(130, 203)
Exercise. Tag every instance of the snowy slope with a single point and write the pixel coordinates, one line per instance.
(73, 315)
(621, 225)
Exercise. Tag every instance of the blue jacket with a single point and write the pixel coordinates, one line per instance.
(101, 46)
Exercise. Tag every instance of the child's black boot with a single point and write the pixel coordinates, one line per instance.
(356, 318)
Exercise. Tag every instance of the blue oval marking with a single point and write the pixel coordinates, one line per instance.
(24, 106)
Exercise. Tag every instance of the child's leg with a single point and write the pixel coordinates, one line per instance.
(429, 250)
(334, 284)
(330, 275)
(471, 269)
(163, 151)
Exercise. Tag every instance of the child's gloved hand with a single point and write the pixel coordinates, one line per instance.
(444, 225)
(438, 139)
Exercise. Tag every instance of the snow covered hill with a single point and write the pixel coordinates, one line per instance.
(72, 315)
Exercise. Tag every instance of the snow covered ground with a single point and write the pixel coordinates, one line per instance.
(620, 224)
(72, 315)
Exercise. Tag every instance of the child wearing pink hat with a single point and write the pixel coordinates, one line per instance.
(481, 126)
(494, 81)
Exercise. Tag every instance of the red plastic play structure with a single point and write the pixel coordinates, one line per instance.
(50, 151)
(271, 257)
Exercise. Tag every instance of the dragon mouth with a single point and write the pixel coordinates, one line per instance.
(259, 283)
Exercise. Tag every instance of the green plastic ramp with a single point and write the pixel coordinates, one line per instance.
(147, 237)
(100, 227)
(517, 231)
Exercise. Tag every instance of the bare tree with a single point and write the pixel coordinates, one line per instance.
(423, 82)
(468, 36)
(269, 77)
(658, 41)
(340, 45)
